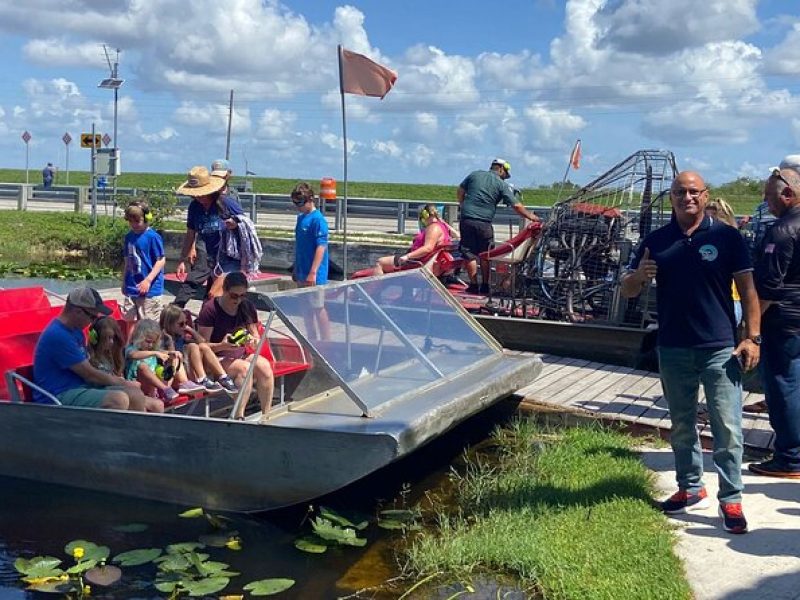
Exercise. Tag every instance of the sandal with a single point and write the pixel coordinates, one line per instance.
(757, 407)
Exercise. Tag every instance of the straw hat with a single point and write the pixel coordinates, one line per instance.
(201, 183)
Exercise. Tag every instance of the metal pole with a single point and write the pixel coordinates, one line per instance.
(67, 145)
(230, 121)
(27, 156)
(94, 182)
(344, 143)
(114, 183)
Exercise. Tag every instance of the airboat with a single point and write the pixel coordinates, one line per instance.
(560, 293)
(398, 363)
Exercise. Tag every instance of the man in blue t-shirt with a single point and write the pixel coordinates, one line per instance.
(311, 255)
(61, 364)
(210, 211)
(694, 259)
(48, 174)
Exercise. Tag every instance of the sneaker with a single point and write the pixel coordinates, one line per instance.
(209, 385)
(682, 501)
(484, 288)
(190, 388)
(733, 520)
(169, 395)
(773, 468)
(227, 384)
(472, 288)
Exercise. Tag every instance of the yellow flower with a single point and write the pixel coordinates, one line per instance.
(87, 590)
(77, 552)
(233, 543)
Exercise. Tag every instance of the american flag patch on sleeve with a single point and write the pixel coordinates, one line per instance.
(769, 248)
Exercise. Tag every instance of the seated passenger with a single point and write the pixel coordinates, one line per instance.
(61, 364)
(107, 346)
(159, 372)
(179, 336)
(434, 233)
(226, 323)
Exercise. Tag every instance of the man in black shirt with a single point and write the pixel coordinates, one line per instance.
(778, 285)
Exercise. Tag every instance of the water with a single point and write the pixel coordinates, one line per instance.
(40, 519)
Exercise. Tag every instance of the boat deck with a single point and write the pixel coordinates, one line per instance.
(622, 394)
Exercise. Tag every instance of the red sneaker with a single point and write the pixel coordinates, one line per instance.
(733, 519)
(682, 501)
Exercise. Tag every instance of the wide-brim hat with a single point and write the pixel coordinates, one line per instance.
(200, 182)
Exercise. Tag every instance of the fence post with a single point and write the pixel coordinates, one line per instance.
(24, 195)
(81, 198)
(254, 208)
(402, 211)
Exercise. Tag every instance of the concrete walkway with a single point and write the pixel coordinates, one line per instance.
(762, 564)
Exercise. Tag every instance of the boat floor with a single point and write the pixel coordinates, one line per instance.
(585, 389)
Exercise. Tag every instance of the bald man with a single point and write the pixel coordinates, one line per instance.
(778, 285)
(694, 259)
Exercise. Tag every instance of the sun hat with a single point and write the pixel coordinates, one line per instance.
(503, 163)
(200, 183)
(221, 168)
(88, 299)
(791, 161)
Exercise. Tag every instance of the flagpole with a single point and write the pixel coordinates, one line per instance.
(344, 137)
(566, 173)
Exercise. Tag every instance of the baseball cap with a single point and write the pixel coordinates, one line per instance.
(503, 163)
(89, 299)
(790, 161)
(220, 168)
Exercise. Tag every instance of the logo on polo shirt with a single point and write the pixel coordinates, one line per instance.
(708, 252)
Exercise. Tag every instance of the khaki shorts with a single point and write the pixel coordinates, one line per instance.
(87, 396)
(137, 308)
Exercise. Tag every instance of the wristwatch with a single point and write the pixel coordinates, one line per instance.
(756, 339)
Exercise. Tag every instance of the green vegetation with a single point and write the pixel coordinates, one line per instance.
(569, 514)
(58, 233)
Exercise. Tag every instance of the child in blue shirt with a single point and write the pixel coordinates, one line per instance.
(143, 279)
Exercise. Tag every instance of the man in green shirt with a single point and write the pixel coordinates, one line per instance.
(478, 197)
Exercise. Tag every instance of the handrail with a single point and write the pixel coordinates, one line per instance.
(11, 376)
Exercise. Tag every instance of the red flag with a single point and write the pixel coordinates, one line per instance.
(575, 157)
(364, 77)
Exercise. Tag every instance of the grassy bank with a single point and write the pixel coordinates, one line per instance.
(567, 514)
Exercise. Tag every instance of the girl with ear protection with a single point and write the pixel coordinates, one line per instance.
(434, 233)
(107, 346)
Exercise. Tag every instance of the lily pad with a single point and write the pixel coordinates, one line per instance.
(83, 565)
(390, 524)
(27, 566)
(103, 576)
(268, 587)
(341, 535)
(134, 558)
(207, 586)
(131, 528)
(91, 551)
(184, 547)
(310, 545)
(214, 540)
(58, 586)
(335, 517)
(192, 513)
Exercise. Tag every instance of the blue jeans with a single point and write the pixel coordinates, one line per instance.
(780, 370)
(682, 372)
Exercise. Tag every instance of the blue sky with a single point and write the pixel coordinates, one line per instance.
(716, 82)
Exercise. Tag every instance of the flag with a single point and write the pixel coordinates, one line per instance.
(575, 157)
(364, 77)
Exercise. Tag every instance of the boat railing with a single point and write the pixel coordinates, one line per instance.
(18, 395)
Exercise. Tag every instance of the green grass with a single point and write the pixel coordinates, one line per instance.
(567, 514)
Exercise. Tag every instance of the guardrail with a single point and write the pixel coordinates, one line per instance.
(400, 211)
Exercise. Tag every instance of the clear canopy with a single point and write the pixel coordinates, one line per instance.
(386, 337)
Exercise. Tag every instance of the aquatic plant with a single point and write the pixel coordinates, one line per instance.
(330, 529)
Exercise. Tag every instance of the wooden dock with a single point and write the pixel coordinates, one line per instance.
(588, 389)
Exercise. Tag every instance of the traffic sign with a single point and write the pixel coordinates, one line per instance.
(67, 138)
(88, 142)
(26, 137)
(106, 139)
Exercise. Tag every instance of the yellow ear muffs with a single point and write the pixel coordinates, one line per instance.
(92, 335)
(148, 215)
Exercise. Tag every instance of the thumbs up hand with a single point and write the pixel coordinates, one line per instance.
(647, 268)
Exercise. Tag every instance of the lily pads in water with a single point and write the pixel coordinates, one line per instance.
(335, 517)
(204, 587)
(268, 587)
(192, 513)
(103, 576)
(39, 566)
(134, 558)
(341, 535)
(313, 545)
(84, 550)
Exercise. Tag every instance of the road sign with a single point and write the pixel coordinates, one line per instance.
(26, 137)
(106, 139)
(86, 140)
(67, 138)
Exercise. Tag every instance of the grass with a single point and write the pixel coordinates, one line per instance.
(567, 514)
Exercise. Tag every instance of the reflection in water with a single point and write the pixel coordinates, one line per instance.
(40, 519)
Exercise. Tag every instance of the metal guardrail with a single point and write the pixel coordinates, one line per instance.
(257, 205)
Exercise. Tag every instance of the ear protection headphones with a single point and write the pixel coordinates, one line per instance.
(93, 335)
(146, 212)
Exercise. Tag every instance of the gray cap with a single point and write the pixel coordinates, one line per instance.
(88, 298)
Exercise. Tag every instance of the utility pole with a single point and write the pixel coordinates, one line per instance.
(230, 120)
(113, 82)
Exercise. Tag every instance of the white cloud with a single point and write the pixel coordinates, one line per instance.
(166, 134)
(388, 148)
(52, 52)
(276, 125)
(784, 59)
(552, 127)
(212, 117)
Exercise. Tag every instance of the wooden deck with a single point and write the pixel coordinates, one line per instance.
(623, 394)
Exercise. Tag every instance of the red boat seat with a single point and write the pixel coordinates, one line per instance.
(15, 352)
(23, 299)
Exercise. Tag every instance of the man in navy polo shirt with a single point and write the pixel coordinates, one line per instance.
(694, 258)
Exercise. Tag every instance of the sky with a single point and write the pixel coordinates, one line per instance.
(716, 82)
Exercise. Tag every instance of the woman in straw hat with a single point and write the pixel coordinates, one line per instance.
(209, 213)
